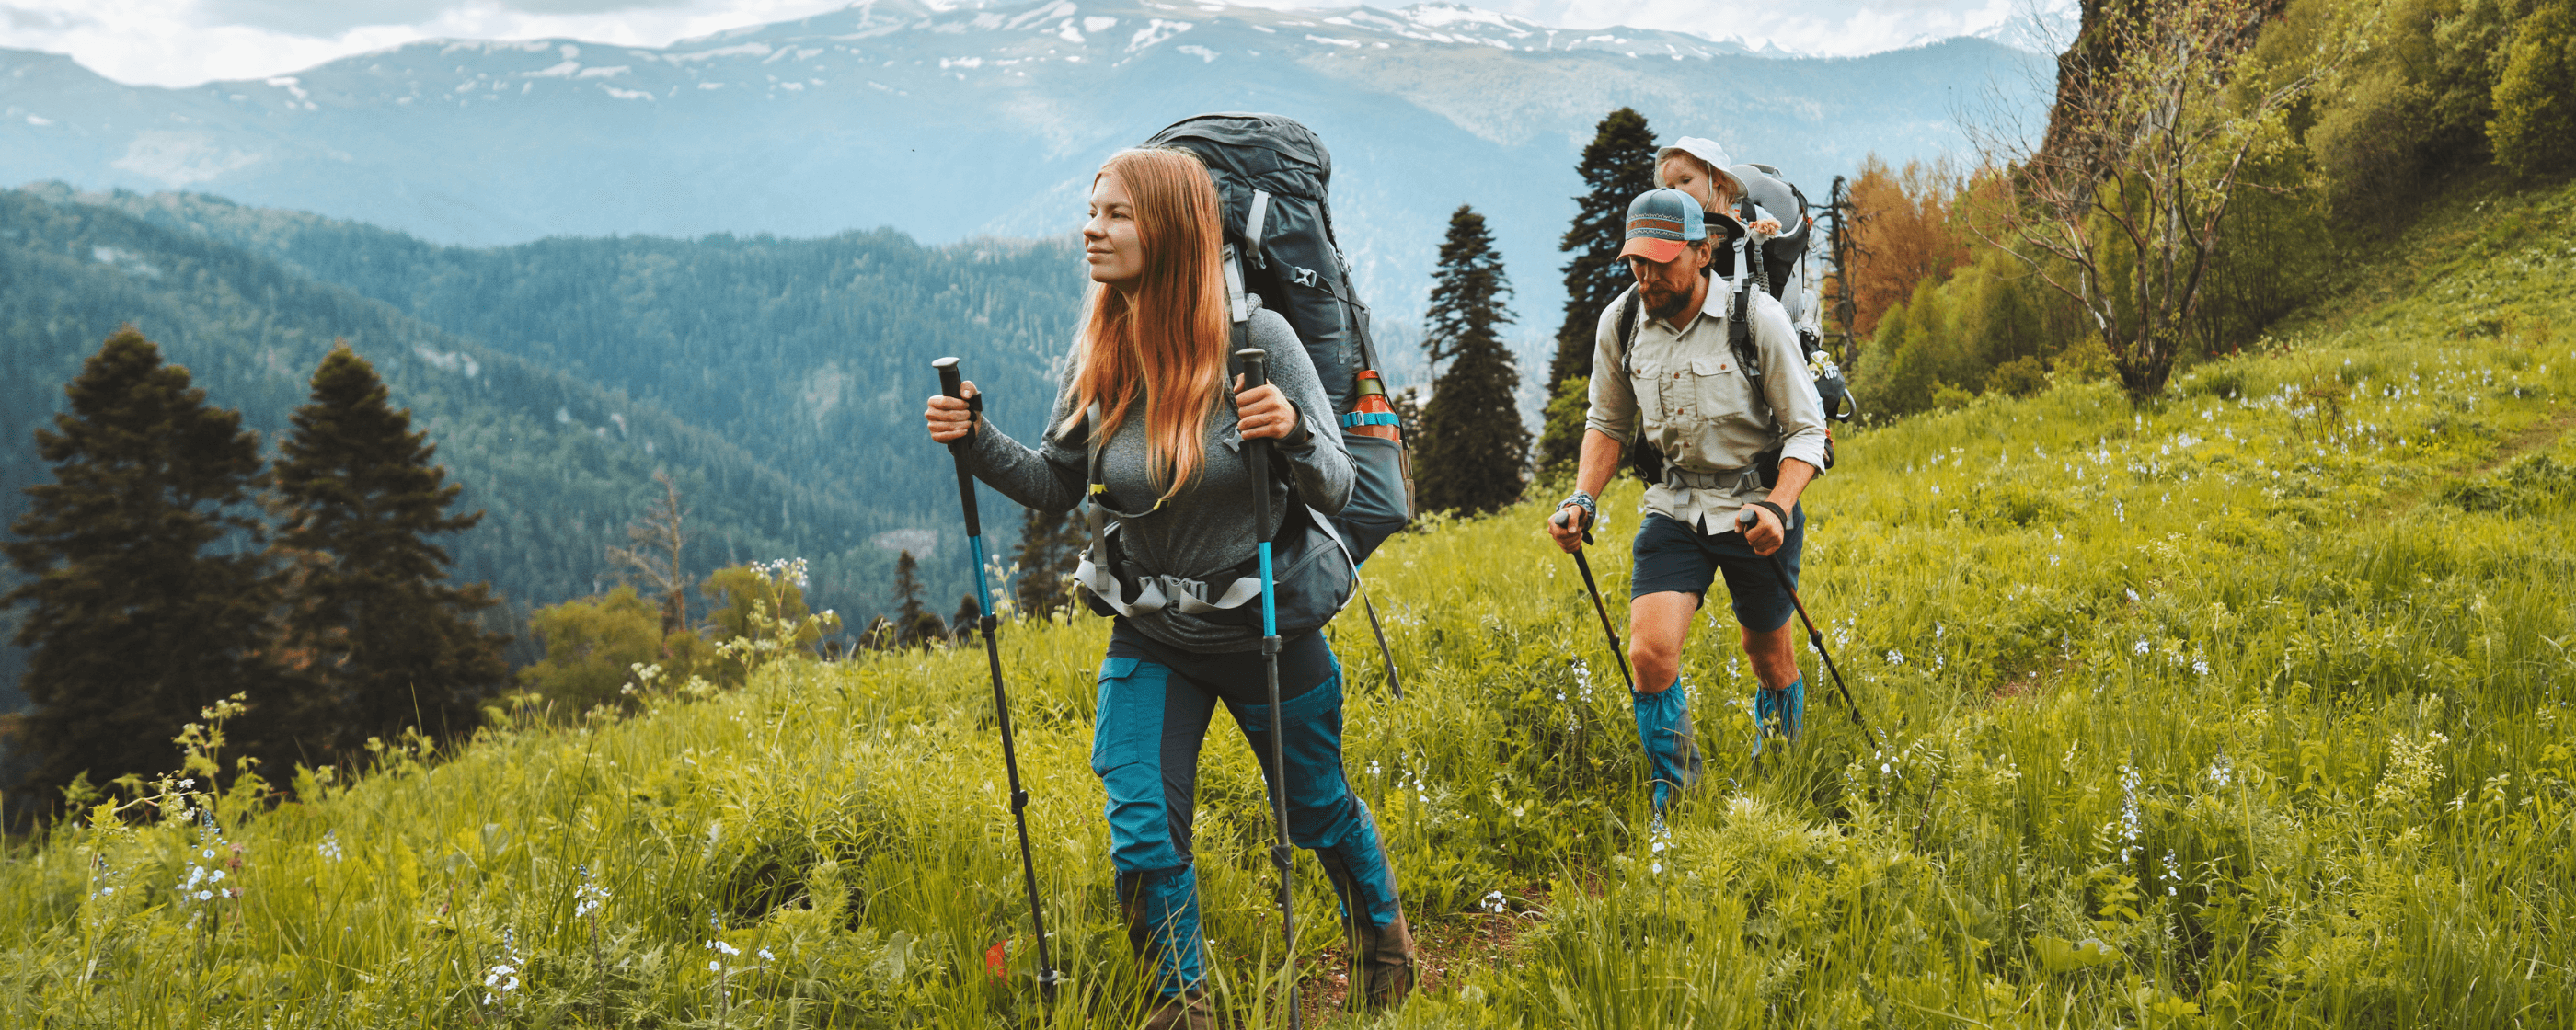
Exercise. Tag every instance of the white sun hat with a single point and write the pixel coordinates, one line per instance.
(1708, 153)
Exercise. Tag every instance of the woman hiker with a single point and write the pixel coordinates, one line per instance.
(1147, 420)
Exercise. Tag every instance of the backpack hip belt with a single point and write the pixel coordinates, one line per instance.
(1747, 478)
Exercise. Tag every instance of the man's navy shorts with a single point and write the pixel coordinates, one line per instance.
(1671, 556)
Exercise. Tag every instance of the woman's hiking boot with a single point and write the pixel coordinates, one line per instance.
(1382, 959)
(1188, 1011)
(1161, 910)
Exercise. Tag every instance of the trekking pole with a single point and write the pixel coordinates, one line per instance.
(1585, 567)
(1744, 521)
(950, 383)
(1256, 373)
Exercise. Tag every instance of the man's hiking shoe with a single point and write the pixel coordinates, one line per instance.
(1782, 711)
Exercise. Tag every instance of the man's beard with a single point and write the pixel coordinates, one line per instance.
(1671, 305)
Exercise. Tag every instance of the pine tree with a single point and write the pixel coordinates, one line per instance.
(391, 643)
(149, 596)
(968, 614)
(1618, 165)
(1050, 549)
(913, 622)
(1475, 448)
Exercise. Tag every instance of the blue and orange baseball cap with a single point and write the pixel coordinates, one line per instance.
(1661, 223)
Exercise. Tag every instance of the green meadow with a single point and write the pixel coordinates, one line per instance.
(2243, 706)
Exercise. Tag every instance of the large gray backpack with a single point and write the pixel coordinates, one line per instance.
(1271, 175)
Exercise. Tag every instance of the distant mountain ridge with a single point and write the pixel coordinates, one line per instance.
(950, 124)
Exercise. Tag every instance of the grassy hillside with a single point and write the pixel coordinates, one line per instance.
(2243, 707)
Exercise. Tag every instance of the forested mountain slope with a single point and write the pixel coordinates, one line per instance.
(559, 453)
(812, 354)
(2240, 705)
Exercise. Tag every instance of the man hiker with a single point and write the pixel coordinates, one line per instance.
(1730, 438)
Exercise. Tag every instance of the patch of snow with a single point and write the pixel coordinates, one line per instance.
(1068, 32)
(1097, 23)
(1436, 15)
(796, 86)
(961, 62)
(1026, 19)
(568, 51)
(625, 94)
(1265, 28)
(1155, 31)
(737, 50)
(39, 121)
(564, 70)
(602, 73)
(1202, 53)
(1331, 41)
(289, 83)
(711, 85)
(988, 21)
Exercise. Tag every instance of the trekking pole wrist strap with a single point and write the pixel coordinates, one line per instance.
(1782, 513)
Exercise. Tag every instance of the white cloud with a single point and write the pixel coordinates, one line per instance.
(185, 42)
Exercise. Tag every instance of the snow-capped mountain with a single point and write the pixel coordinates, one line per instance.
(952, 123)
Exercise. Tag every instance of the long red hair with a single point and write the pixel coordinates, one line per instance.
(1162, 343)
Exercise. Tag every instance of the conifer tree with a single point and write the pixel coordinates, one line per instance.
(913, 622)
(391, 643)
(1050, 549)
(1475, 449)
(148, 595)
(968, 614)
(1616, 166)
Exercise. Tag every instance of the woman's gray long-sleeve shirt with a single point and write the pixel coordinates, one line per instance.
(1207, 527)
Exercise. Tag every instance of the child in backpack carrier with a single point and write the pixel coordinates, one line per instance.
(1140, 428)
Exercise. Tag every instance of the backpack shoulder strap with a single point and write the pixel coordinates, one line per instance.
(1631, 320)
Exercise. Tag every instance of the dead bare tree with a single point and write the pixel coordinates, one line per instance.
(655, 558)
(2161, 113)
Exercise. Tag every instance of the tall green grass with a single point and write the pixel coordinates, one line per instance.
(2245, 706)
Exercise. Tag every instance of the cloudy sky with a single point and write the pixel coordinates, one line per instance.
(185, 42)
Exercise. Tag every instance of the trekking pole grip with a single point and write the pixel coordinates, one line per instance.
(1574, 512)
(952, 383)
(1256, 374)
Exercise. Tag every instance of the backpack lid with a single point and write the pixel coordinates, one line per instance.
(1267, 151)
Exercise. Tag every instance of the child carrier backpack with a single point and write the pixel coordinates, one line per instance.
(1783, 273)
(1271, 175)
